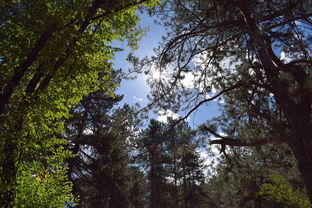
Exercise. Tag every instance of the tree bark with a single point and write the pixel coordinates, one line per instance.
(21, 70)
(302, 148)
(297, 113)
(154, 200)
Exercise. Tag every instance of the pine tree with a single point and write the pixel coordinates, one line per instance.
(231, 50)
(174, 167)
(98, 137)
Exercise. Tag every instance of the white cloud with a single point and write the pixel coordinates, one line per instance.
(223, 134)
(164, 115)
(200, 59)
(230, 63)
(211, 155)
(188, 80)
(137, 99)
(87, 131)
(285, 57)
(213, 93)
(211, 160)
(156, 75)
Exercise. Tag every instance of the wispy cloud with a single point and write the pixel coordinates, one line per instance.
(137, 99)
(164, 115)
(211, 156)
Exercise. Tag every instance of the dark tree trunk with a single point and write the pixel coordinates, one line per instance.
(155, 199)
(72, 162)
(296, 108)
(20, 71)
(301, 146)
(302, 150)
(7, 191)
(299, 120)
(175, 182)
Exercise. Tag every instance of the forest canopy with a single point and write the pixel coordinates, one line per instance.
(67, 140)
(255, 56)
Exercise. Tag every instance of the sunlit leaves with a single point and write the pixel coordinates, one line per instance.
(278, 192)
(61, 51)
(38, 187)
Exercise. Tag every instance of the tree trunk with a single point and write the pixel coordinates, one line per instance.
(8, 174)
(299, 119)
(21, 70)
(175, 182)
(297, 109)
(302, 150)
(154, 183)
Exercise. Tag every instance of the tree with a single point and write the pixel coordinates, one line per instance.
(138, 193)
(184, 166)
(98, 136)
(175, 170)
(238, 177)
(253, 55)
(279, 193)
(52, 54)
(152, 155)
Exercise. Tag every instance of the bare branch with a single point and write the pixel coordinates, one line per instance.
(237, 85)
(238, 143)
(226, 140)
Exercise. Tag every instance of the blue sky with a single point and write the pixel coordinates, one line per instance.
(136, 90)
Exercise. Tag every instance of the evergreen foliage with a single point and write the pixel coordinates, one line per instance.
(175, 170)
(254, 57)
(66, 141)
(98, 137)
(238, 178)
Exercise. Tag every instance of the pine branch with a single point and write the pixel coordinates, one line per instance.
(226, 140)
(235, 86)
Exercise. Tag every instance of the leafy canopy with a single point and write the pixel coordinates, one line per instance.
(52, 54)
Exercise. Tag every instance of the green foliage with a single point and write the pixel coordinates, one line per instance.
(47, 189)
(277, 192)
(99, 135)
(138, 192)
(52, 54)
(173, 164)
(238, 178)
(231, 52)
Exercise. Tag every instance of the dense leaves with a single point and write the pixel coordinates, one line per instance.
(52, 54)
(64, 142)
(279, 193)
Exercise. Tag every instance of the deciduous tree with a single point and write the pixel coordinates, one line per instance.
(52, 54)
